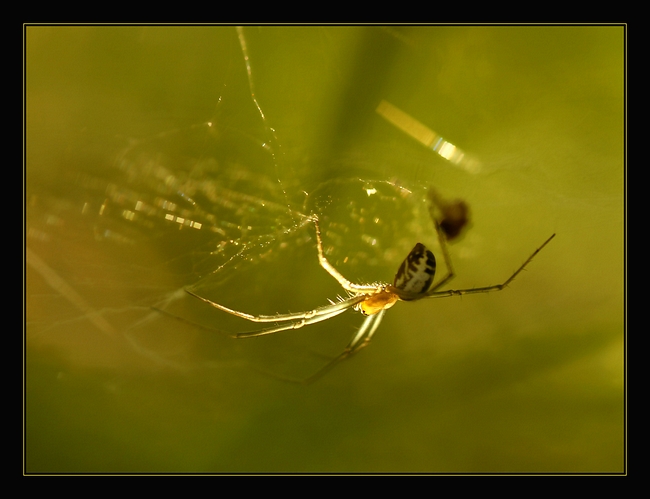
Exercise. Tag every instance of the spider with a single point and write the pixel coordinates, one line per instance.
(412, 282)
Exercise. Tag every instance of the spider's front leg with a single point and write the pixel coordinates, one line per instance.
(331, 270)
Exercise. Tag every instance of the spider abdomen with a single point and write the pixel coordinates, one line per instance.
(415, 275)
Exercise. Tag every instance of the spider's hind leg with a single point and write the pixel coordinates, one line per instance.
(449, 219)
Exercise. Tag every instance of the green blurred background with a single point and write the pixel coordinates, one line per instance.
(527, 380)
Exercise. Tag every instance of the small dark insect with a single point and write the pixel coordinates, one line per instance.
(452, 216)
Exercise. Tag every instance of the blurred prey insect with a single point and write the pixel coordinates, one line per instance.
(413, 281)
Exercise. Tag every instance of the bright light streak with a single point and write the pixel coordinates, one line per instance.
(427, 137)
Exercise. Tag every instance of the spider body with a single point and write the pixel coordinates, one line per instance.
(413, 278)
(413, 281)
(374, 303)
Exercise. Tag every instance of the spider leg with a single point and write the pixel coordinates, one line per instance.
(486, 289)
(442, 238)
(317, 315)
(345, 284)
(298, 316)
(360, 340)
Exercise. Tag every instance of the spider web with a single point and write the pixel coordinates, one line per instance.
(221, 206)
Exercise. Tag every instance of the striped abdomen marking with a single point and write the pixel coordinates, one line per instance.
(415, 275)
